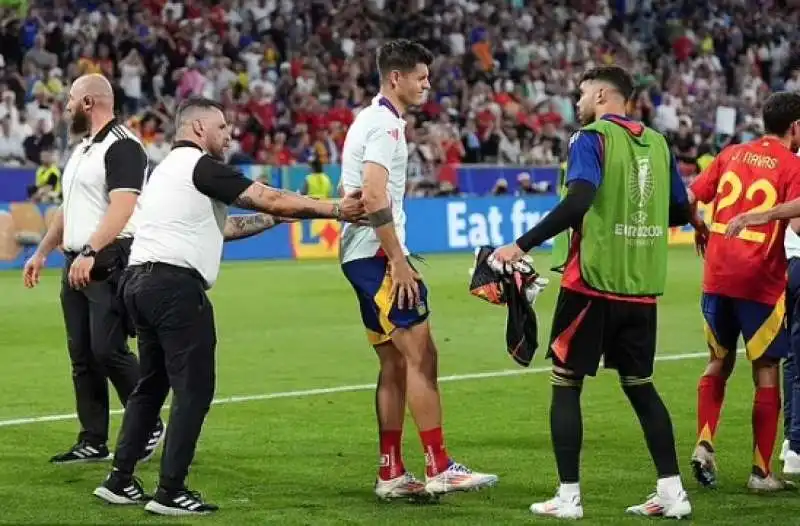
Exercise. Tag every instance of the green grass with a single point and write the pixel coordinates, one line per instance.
(286, 326)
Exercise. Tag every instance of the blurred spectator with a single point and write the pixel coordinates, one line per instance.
(528, 187)
(500, 187)
(157, 149)
(292, 75)
(47, 185)
(317, 183)
(41, 140)
(11, 151)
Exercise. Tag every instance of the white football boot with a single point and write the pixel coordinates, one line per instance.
(560, 507)
(406, 486)
(458, 477)
(669, 507)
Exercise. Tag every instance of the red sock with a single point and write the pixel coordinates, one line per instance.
(710, 394)
(436, 458)
(766, 412)
(391, 459)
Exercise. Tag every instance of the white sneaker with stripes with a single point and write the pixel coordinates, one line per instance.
(156, 437)
(120, 489)
(179, 503)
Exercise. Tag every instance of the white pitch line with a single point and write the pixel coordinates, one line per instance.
(340, 389)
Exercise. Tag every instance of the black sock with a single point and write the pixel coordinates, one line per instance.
(566, 426)
(656, 424)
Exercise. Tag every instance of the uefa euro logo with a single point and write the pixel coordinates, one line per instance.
(315, 239)
(640, 189)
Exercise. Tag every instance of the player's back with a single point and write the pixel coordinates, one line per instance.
(377, 135)
(748, 177)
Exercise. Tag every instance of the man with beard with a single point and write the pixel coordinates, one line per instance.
(95, 226)
(623, 194)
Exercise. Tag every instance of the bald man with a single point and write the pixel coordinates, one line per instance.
(95, 226)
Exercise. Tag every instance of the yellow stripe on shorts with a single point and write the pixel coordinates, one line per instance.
(769, 330)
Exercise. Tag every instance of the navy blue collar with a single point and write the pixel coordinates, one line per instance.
(386, 103)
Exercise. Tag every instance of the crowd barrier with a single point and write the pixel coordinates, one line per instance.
(470, 179)
(434, 225)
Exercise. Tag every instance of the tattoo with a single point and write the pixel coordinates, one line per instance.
(381, 217)
(271, 201)
(309, 213)
(242, 226)
(251, 203)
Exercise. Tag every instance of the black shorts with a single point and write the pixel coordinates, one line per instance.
(586, 328)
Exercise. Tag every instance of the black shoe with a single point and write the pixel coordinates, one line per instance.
(155, 438)
(182, 502)
(83, 451)
(121, 489)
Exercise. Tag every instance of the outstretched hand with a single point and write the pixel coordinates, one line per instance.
(351, 207)
(743, 221)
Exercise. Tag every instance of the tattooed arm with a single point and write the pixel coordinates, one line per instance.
(287, 204)
(243, 226)
(262, 198)
(224, 183)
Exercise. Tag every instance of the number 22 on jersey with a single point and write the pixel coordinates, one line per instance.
(760, 196)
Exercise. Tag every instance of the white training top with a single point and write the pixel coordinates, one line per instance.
(113, 160)
(377, 135)
(178, 223)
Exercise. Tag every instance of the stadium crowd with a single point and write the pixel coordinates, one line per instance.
(292, 74)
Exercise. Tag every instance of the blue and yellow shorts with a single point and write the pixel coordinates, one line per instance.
(762, 326)
(372, 283)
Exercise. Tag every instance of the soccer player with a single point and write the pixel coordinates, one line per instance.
(744, 283)
(391, 295)
(624, 192)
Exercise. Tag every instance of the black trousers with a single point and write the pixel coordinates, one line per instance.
(174, 323)
(97, 339)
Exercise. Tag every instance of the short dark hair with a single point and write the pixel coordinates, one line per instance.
(196, 103)
(781, 109)
(402, 55)
(614, 75)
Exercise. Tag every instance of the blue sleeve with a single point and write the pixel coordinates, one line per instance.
(585, 158)
(677, 190)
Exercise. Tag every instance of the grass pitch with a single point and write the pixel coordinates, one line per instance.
(297, 456)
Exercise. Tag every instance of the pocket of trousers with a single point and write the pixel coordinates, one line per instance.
(118, 281)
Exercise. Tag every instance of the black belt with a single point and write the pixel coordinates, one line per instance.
(154, 267)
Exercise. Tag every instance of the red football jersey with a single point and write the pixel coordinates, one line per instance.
(744, 178)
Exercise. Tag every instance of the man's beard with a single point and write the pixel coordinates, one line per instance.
(217, 153)
(588, 119)
(81, 123)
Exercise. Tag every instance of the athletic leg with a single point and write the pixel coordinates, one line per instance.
(722, 329)
(367, 276)
(390, 407)
(767, 343)
(631, 349)
(576, 346)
